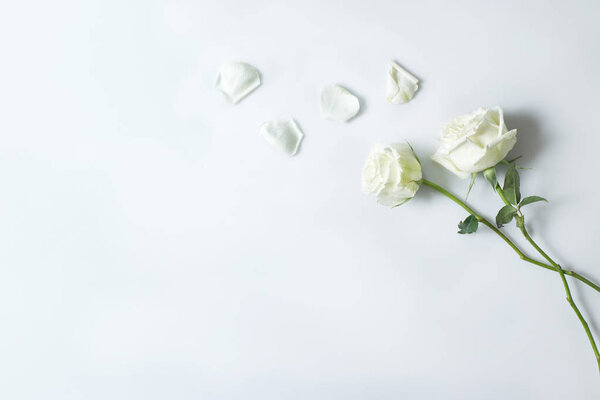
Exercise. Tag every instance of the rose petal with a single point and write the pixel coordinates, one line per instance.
(283, 135)
(401, 85)
(236, 80)
(338, 104)
(445, 162)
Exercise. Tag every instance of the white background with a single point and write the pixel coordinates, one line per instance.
(154, 246)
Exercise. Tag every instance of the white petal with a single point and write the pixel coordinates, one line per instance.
(401, 85)
(283, 135)
(236, 80)
(338, 103)
(444, 161)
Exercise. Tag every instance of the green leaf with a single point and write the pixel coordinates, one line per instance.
(469, 225)
(490, 176)
(473, 176)
(531, 199)
(505, 215)
(512, 184)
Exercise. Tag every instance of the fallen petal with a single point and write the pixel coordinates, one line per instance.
(283, 135)
(338, 104)
(236, 80)
(401, 85)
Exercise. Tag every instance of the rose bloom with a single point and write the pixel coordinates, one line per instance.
(473, 142)
(392, 173)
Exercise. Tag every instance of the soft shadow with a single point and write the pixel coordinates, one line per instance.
(530, 141)
(530, 144)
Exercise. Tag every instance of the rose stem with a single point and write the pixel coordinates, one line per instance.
(565, 271)
(505, 238)
(521, 225)
(554, 266)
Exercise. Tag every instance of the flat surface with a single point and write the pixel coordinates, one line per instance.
(154, 246)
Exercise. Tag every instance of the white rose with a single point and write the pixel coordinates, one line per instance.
(392, 173)
(473, 142)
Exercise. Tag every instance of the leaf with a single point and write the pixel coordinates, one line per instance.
(505, 215)
(469, 225)
(473, 176)
(531, 199)
(512, 184)
(490, 176)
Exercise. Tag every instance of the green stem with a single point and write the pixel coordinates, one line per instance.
(553, 265)
(565, 271)
(521, 225)
(501, 194)
(581, 278)
(484, 221)
(487, 223)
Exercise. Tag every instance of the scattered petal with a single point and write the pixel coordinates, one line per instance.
(236, 80)
(338, 104)
(401, 85)
(283, 135)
